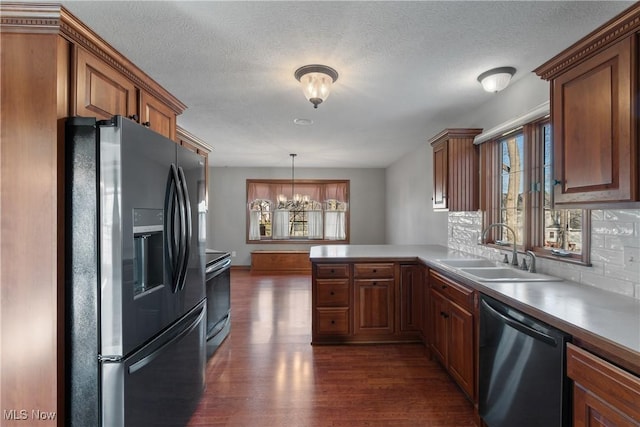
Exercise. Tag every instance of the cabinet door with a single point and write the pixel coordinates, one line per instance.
(101, 91)
(374, 306)
(157, 116)
(603, 394)
(589, 411)
(439, 330)
(410, 303)
(461, 355)
(440, 171)
(593, 128)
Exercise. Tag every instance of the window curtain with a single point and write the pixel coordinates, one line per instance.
(280, 224)
(314, 224)
(335, 225)
(254, 225)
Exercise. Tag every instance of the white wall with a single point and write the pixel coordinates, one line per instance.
(226, 220)
(410, 217)
(409, 187)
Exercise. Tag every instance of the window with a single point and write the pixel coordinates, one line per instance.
(518, 191)
(305, 210)
(562, 227)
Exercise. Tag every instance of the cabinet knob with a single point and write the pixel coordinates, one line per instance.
(333, 322)
(375, 283)
(332, 271)
(332, 293)
(443, 286)
(375, 271)
(133, 117)
(557, 182)
(146, 124)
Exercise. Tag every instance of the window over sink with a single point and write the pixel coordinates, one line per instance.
(517, 190)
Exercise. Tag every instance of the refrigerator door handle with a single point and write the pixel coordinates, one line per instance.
(173, 202)
(149, 358)
(187, 229)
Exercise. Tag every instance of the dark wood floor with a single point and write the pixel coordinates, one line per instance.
(266, 373)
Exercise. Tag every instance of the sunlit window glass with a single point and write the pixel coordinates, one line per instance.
(511, 191)
(562, 227)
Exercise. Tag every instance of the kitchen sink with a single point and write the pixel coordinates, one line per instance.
(503, 274)
(467, 262)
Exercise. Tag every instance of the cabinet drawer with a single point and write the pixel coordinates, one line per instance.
(332, 270)
(373, 270)
(457, 293)
(332, 292)
(332, 321)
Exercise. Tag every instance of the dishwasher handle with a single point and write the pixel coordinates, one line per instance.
(525, 329)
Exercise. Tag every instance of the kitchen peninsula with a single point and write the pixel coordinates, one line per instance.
(349, 281)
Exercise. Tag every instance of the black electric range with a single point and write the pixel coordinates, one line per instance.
(218, 292)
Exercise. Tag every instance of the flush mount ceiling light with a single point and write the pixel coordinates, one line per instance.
(316, 82)
(497, 79)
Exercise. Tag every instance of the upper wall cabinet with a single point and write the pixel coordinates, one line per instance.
(594, 113)
(198, 146)
(157, 116)
(101, 91)
(104, 83)
(455, 170)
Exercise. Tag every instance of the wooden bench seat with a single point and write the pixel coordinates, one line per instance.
(280, 262)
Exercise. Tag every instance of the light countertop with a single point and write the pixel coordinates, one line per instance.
(595, 317)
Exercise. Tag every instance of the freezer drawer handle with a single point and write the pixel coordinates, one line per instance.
(148, 359)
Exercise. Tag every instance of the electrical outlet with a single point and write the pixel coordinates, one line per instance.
(233, 253)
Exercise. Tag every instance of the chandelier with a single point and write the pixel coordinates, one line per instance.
(298, 201)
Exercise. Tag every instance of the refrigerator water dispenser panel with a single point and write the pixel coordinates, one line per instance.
(148, 249)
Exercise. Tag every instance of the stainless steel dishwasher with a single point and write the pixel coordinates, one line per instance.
(522, 379)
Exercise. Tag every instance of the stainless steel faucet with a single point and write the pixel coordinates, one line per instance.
(532, 263)
(514, 259)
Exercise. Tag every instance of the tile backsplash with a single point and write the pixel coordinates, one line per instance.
(615, 250)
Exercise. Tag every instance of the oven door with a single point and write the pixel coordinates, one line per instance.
(218, 289)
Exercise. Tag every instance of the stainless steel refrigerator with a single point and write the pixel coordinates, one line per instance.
(135, 307)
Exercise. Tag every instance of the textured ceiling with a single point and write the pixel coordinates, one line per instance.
(407, 69)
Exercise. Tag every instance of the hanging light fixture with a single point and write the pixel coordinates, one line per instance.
(496, 79)
(297, 201)
(316, 82)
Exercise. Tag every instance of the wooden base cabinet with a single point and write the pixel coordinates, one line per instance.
(331, 302)
(374, 289)
(452, 326)
(366, 302)
(603, 394)
(411, 299)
